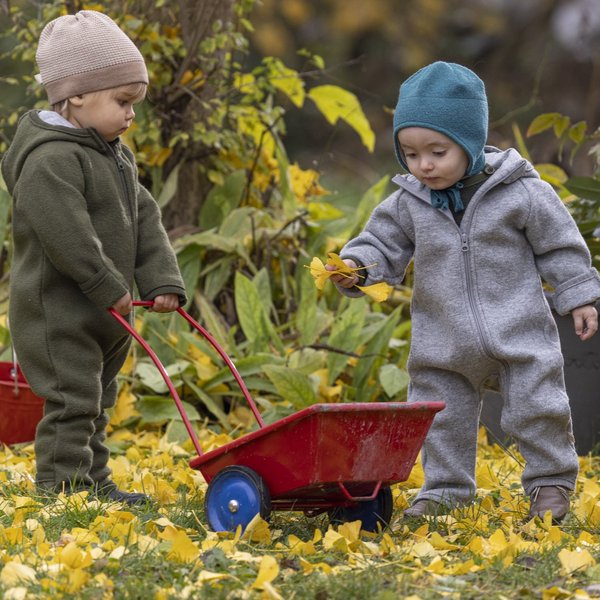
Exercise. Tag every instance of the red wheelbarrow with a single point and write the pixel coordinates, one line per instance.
(334, 458)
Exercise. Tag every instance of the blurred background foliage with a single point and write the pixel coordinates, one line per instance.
(266, 140)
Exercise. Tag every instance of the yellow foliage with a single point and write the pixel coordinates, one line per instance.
(378, 291)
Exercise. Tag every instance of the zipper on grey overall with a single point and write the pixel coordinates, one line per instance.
(464, 231)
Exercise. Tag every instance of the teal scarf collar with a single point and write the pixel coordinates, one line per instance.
(442, 199)
(450, 197)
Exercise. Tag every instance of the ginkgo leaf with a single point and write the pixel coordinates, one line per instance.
(337, 103)
(14, 572)
(378, 291)
(267, 572)
(183, 549)
(574, 560)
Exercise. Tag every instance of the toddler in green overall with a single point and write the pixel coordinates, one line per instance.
(85, 235)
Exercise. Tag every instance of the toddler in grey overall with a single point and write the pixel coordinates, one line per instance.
(483, 231)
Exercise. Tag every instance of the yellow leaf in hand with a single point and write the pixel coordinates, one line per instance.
(335, 261)
(319, 272)
(378, 291)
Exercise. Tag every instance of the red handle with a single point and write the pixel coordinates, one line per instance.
(166, 377)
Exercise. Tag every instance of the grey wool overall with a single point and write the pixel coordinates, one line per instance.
(84, 234)
(479, 310)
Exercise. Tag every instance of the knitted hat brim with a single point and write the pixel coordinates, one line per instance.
(98, 79)
(448, 119)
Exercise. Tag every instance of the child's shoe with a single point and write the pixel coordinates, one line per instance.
(553, 498)
(424, 508)
(109, 491)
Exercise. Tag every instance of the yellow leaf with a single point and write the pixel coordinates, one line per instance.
(318, 271)
(575, 560)
(336, 103)
(14, 572)
(267, 572)
(257, 531)
(378, 291)
(124, 409)
(289, 82)
(183, 549)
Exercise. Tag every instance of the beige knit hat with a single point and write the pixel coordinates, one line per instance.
(86, 52)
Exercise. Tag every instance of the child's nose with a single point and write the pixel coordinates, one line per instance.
(426, 164)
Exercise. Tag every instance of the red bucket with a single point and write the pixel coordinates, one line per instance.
(20, 408)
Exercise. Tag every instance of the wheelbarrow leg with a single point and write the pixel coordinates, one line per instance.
(235, 495)
(372, 513)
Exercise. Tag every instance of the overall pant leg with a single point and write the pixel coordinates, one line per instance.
(69, 378)
(537, 415)
(99, 470)
(450, 448)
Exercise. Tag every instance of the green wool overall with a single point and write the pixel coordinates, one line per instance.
(85, 233)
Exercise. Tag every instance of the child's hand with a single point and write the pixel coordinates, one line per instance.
(586, 321)
(123, 305)
(345, 281)
(165, 303)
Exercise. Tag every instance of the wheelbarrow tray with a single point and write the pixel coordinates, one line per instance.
(305, 456)
(20, 409)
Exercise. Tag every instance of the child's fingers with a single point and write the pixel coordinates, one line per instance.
(585, 320)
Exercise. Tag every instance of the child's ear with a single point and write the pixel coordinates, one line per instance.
(76, 100)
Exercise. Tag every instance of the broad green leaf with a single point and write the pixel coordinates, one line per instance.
(307, 360)
(246, 366)
(552, 171)
(221, 200)
(188, 260)
(346, 335)
(584, 187)
(209, 403)
(577, 132)
(553, 174)
(393, 379)
(250, 313)
(217, 275)
(321, 211)
(158, 409)
(263, 286)
(542, 123)
(307, 323)
(337, 103)
(212, 321)
(373, 353)
(370, 199)
(169, 187)
(150, 376)
(291, 385)
(560, 125)
(254, 321)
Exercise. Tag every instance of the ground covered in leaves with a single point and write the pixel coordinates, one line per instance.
(73, 546)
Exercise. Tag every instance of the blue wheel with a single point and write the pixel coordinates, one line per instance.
(234, 497)
(373, 513)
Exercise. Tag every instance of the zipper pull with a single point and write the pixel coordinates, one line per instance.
(465, 243)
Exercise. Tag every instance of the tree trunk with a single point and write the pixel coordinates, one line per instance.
(196, 18)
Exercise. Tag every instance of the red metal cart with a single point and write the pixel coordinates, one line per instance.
(335, 458)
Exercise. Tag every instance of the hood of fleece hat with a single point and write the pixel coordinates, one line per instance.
(86, 52)
(450, 99)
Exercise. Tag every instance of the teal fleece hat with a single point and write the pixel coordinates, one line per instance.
(448, 98)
